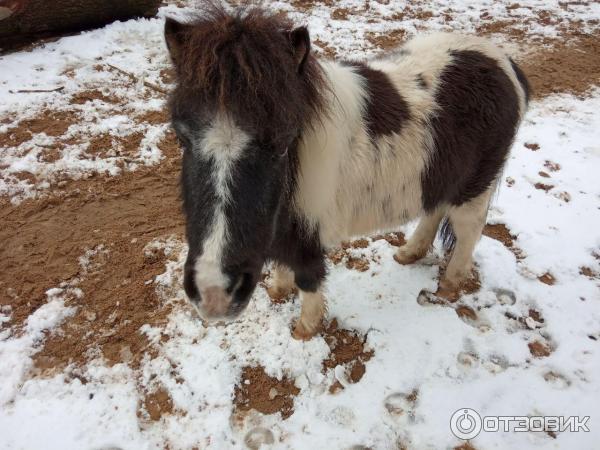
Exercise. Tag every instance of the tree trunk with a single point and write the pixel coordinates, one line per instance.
(24, 21)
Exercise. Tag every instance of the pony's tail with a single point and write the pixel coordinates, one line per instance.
(447, 235)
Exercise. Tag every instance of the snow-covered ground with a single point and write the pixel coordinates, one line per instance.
(429, 360)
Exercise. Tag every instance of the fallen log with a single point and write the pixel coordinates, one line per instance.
(25, 21)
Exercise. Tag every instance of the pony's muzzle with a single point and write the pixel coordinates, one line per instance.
(215, 303)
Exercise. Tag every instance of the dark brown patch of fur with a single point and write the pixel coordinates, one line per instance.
(473, 131)
(246, 63)
(386, 110)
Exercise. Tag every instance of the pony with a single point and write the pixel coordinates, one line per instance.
(285, 154)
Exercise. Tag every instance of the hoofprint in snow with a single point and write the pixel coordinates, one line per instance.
(482, 361)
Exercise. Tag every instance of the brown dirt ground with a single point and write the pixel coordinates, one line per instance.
(533, 146)
(465, 446)
(588, 272)
(468, 286)
(347, 348)
(361, 264)
(547, 278)
(83, 97)
(48, 236)
(53, 123)
(571, 64)
(156, 404)
(543, 187)
(265, 394)
(502, 234)
(539, 349)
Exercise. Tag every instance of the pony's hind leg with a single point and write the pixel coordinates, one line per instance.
(282, 282)
(467, 222)
(422, 239)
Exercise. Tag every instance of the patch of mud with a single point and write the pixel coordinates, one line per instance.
(502, 234)
(468, 286)
(588, 272)
(83, 97)
(539, 349)
(547, 278)
(305, 5)
(465, 446)
(534, 147)
(322, 48)
(52, 123)
(361, 263)
(156, 404)
(268, 395)
(388, 40)
(347, 356)
(154, 117)
(543, 187)
(552, 166)
(344, 254)
(105, 145)
(341, 13)
(396, 239)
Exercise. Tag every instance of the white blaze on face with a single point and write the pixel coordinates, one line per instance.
(223, 144)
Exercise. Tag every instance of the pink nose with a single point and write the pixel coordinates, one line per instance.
(215, 302)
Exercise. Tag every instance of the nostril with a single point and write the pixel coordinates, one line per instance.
(189, 286)
(244, 286)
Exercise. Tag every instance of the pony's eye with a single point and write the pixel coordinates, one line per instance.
(284, 153)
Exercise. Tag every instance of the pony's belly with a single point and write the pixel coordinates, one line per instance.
(366, 219)
(376, 219)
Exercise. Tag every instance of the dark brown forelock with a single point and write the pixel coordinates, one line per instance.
(242, 62)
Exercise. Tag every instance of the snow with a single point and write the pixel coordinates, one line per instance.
(483, 364)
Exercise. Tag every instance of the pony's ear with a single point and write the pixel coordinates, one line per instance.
(174, 36)
(300, 41)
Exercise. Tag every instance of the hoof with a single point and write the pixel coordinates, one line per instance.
(406, 258)
(279, 295)
(301, 333)
(448, 291)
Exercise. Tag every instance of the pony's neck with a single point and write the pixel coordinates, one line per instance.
(346, 100)
(326, 145)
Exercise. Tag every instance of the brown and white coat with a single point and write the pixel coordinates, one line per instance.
(352, 148)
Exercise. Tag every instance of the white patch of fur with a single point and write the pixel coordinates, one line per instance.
(347, 186)
(223, 143)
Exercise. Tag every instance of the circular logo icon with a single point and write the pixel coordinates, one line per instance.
(465, 423)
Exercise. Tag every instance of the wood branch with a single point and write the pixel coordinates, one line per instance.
(24, 21)
(27, 91)
(135, 79)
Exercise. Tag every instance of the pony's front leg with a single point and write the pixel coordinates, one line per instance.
(314, 308)
(281, 283)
